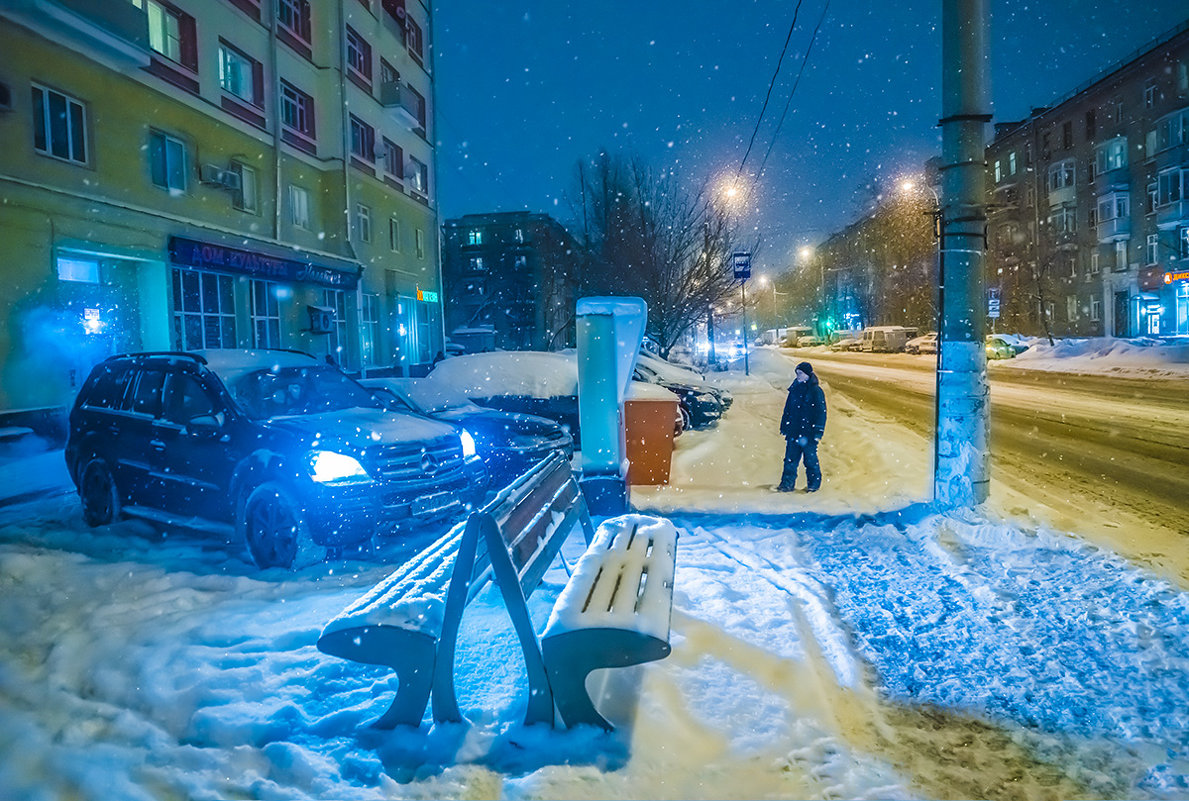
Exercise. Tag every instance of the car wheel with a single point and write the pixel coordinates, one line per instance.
(275, 529)
(98, 493)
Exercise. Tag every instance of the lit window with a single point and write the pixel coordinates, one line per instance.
(266, 315)
(167, 161)
(239, 75)
(82, 270)
(418, 176)
(59, 126)
(475, 237)
(165, 30)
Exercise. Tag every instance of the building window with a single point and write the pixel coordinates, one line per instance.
(388, 73)
(203, 310)
(240, 75)
(1121, 255)
(1153, 248)
(1111, 155)
(297, 110)
(172, 32)
(1169, 186)
(394, 159)
(294, 16)
(1183, 242)
(299, 206)
(1182, 76)
(1067, 134)
(521, 262)
(1063, 220)
(419, 243)
(369, 329)
(245, 198)
(359, 55)
(84, 271)
(363, 222)
(1173, 130)
(363, 140)
(1153, 197)
(414, 40)
(1090, 125)
(1092, 218)
(167, 162)
(336, 299)
(1062, 175)
(1150, 94)
(1112, 207)
(1095, 308)
(1072, 264)
(266, 315)
(998, 172)
(1011, 163)
(394, 234)
(1071, 307)
(418, 176)
(475, 237)
(1094, 268)
(59, 125)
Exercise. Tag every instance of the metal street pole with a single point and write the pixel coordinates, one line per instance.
(961, 475)
(743, 292)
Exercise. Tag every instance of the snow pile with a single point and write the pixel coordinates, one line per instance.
(533, 374)
(1149, 358)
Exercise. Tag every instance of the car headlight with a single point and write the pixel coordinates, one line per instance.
(329, 467)
(468, 443)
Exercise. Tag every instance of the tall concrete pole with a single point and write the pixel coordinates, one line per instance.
(961, 475)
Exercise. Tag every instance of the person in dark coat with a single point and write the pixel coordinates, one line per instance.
(802, 426)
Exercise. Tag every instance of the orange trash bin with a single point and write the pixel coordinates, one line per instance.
(649, 415)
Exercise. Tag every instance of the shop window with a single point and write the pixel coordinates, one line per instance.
(369, 329)
(84, 271)
(59, 125)
(337, 339)
(203, 310)
(266, 315)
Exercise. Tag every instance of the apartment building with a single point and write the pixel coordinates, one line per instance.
(183, 174)
(1088, 231)
(511, 281)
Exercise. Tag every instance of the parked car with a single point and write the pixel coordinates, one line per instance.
(508, 442)
(701, 402)
(284, 447)
(528, 382)
(886, 338)
(922, 344)
(999, 348)
(683, 374)
(847, 343)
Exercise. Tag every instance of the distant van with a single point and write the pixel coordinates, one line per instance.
(886, 338)
(793, 334)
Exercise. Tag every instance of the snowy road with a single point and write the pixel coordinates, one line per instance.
(1110, 450)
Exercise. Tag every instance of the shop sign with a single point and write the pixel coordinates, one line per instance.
(1183, 275)
(427, 296)
(212, 256)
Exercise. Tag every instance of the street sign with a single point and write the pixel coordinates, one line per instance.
(742, 262)
(993, 302)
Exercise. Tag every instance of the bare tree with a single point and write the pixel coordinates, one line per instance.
(648, 236)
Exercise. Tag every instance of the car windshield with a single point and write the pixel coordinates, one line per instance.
(287, 391)
(437, 397)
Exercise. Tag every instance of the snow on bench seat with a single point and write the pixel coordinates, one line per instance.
(614, 611)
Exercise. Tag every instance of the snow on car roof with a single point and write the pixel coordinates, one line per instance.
(671, 372)
(535, 374)
(231, 365)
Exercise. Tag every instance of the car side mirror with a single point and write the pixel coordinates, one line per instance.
(205, 425)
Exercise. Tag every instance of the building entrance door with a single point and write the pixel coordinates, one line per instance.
(1121, 328)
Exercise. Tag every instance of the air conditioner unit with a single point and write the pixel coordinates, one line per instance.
(215, 175)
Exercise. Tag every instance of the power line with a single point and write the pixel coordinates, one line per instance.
(796, 82)
(771, 84)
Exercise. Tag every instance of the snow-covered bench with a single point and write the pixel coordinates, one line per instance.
(613, 612)
(409, 621)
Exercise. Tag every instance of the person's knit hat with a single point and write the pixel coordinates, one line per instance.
(805, 367)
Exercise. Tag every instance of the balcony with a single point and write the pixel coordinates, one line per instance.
(1114, 230)
(1172, 215)
(1116, 180)
(1065, 240)
(111, 31)
(1065, 196)
(404, 106)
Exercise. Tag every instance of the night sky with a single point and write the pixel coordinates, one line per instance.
(525, 89)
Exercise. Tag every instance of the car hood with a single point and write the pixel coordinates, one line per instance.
(359, 428)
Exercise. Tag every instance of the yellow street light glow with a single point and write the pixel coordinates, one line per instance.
(805, 252)
(907, 186)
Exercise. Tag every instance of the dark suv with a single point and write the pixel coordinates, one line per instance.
(287, 449)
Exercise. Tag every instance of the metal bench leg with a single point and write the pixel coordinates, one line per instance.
(410, 654)
(571, 656)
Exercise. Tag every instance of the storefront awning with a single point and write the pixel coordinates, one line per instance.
(264, 260)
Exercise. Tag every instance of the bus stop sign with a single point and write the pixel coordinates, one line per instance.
(742, 262)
